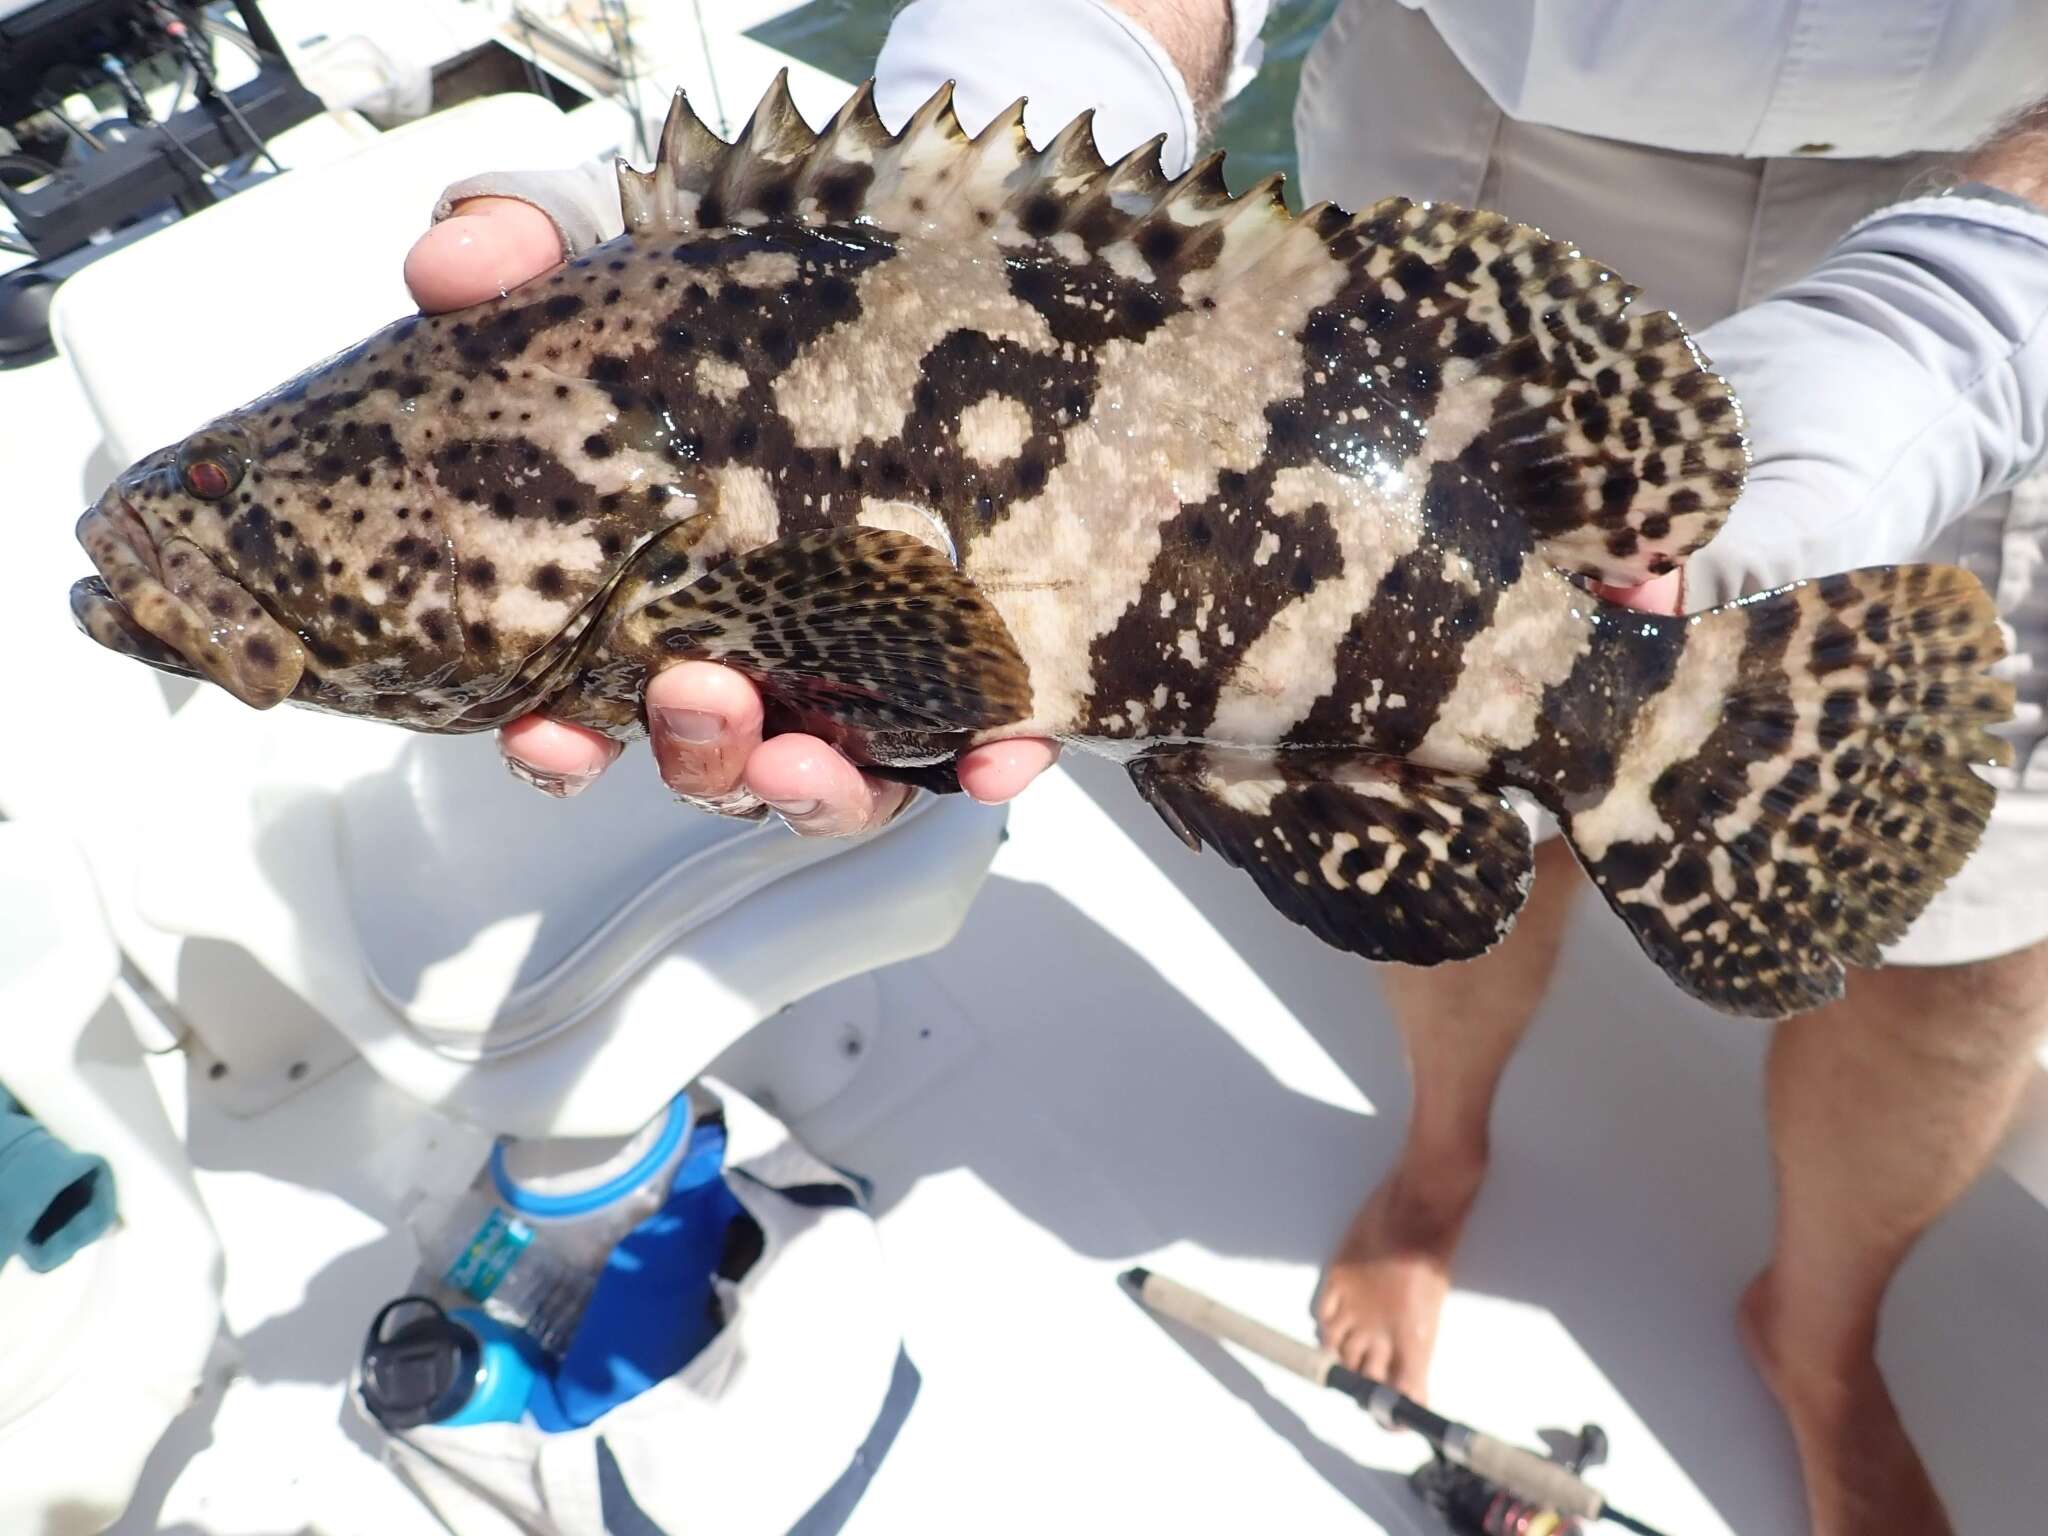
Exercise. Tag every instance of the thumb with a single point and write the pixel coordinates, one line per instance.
(488, 246)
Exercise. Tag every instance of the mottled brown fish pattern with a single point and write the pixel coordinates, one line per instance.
(943, 439)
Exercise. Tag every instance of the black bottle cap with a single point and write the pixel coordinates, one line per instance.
(420, 1368)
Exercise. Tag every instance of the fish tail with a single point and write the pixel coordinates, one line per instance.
(1795, 781)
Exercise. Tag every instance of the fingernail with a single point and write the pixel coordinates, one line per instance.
(691, 724)
(795, 810)
(561, 785)
(742, 804)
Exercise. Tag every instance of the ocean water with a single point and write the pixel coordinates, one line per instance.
(1256, 128)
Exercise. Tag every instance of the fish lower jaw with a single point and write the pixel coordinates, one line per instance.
(100, 616)
(171, 607)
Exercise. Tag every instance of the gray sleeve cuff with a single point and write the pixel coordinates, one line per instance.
(582, 203)
(1896, 386)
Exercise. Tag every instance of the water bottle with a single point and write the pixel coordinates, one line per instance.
(478, 1252)
(581, 1195)
(422, 1365)
(527, 1240)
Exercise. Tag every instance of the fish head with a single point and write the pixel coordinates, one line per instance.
(172, 563)
(415, 531)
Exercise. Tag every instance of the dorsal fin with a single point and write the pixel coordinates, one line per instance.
(1437, 331)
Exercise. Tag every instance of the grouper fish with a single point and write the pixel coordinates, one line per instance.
(942, 439)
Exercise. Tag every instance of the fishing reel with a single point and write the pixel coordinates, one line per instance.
(1477, 1506)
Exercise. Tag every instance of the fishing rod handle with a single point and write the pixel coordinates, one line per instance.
(1532, 1478)
(1171, 1299)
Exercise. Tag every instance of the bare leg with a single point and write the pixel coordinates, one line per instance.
(1384, 1289)
(1883, 1108)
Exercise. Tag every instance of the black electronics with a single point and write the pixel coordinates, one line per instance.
(64, 182)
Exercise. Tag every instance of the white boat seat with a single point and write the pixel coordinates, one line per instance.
(528, 965)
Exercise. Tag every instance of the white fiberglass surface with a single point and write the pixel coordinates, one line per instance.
(1124, 1058)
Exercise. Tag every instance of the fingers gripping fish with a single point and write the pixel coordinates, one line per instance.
(944, 439)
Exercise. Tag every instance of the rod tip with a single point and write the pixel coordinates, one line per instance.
(1133, 1281)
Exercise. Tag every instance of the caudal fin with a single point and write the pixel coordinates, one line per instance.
(1800, 786)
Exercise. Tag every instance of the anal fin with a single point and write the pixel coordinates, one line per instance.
(1372, 855)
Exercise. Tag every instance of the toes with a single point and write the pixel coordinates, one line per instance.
(1344, 1332)
(1340, 1338)
(1327, 1309)
(1408, 1376)
(1375, 1357)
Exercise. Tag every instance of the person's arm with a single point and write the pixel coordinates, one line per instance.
(1896, 386)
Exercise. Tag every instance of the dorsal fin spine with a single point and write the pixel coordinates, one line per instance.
(1007, 124)
(855, 123)
(687, 146)
(1072, 155)
(1199, 190)
(935, 119)
(776, 131)
(1140, 170)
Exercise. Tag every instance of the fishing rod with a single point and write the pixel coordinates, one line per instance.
(1524, 1474)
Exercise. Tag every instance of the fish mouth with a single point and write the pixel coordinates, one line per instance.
(170, 606)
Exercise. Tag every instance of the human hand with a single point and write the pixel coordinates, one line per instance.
(1660, 594)
(704, 721)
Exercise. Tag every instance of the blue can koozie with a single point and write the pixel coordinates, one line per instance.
(654, 1306)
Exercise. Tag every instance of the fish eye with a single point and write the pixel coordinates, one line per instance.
(209, 470)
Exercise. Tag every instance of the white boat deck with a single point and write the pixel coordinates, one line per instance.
(1125, 1057)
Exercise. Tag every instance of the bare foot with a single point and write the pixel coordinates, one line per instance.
(1384, 1289)
(1863, 1477)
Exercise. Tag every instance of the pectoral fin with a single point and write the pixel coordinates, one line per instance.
(1372, 855)
(869, 626)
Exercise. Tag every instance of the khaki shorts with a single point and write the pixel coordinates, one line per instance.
(1386, 108)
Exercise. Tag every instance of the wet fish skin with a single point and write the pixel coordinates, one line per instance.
(946, 439)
